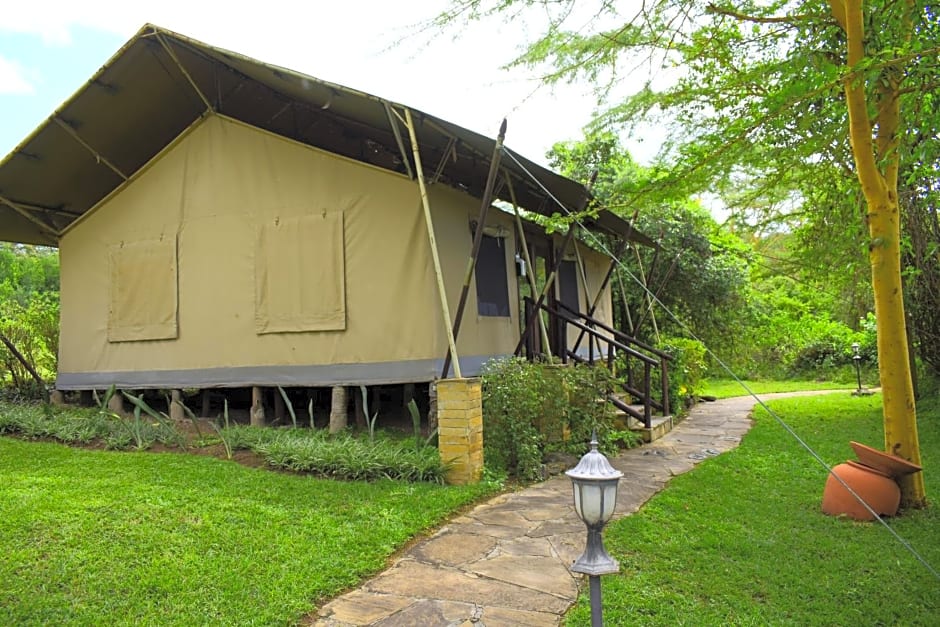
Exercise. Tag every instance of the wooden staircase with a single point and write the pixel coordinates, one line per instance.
(640, 409)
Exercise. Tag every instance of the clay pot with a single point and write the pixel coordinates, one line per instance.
(876, 488)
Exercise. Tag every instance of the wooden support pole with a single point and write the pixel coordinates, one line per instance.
(280, 409)
(398, 140)
(186, 74)
(338, 411)
(407, 395)
(206, 403)
(23, 211)
(29, 368)
(549, 283)
(530, 267)
(600, 292)
(477, 238)
(438, 273)
(257, 407)
(587, 295)
(630, 330)
(71, 131)
(359, 409)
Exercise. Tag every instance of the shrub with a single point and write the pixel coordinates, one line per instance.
(532, 407)
(686, 371)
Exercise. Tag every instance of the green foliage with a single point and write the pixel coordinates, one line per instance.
(530, 408)
(686, 371)
(29, 314)
(345, 457)
(97, 538)
(711, 548)
(300, 450)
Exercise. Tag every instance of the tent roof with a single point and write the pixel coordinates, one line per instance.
(160, 82)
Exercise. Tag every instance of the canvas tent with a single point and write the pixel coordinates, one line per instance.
(223, 222)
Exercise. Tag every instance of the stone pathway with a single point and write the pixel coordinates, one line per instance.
(505, 563)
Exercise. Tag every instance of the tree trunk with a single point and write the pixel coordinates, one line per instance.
(877, 162)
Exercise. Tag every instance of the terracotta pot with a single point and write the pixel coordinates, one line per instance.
(876, 488)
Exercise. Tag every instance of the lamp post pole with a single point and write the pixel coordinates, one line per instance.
(857, 358)
(594, 482)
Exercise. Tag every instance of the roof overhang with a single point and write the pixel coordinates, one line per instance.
(159, 83)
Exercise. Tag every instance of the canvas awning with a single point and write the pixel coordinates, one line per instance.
(160, 82)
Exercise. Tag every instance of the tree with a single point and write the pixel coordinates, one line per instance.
(769, 90)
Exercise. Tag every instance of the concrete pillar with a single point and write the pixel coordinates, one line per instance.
(57, 398)
(176, 405)
(257, 407)
(116, 404)
(460, 428)
(338, 411)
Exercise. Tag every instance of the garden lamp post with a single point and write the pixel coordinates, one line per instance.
(857, 358)
(594, 482)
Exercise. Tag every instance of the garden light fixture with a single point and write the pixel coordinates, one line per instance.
(857, 358)
(594, 482)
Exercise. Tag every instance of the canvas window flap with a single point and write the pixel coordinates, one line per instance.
(143, 291)
(300, 275)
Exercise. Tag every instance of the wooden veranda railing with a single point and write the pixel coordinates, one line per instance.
(605, 345)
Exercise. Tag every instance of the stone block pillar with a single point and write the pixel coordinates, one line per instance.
(460, 428)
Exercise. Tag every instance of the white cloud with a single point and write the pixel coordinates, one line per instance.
(13, 78)
(364, 44)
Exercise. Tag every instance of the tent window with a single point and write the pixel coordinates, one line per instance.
(568, 285)
(300, 272)
(491, 278)
(143, 291)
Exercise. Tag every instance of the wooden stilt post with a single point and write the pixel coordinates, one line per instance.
(338, 411)
(206, 403)
(438, 273)
(477, 237)
(86, 398)
(257, 406)
(407, 395)
(359, 409)
(432, 406)
(280, 410)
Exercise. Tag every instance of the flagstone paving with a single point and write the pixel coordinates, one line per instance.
(505, 563)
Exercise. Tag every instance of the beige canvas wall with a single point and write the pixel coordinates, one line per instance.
(219, 192)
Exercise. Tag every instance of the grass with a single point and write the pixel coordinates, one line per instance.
(101, 537)
(342, 456)
(741, 540)
(726, 388)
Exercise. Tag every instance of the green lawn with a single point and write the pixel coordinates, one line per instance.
(102, 538)
(741, 540)
(726, 388)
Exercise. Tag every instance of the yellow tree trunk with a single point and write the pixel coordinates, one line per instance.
(877, 162)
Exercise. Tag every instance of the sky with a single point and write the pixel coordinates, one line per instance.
(50, 48)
